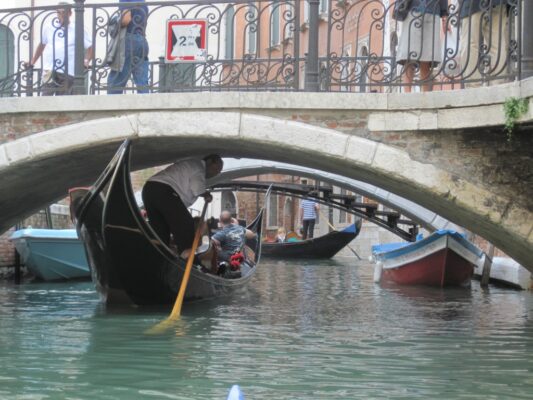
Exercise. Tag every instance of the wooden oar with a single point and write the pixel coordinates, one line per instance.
(176, 310)
(335, 229)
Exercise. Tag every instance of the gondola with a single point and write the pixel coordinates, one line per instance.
(128, 262)
(321, 247)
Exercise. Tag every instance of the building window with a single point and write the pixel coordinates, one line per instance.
(342, 214)
(229, 202)
(7, 58)
(230, 32)
(273, 211)
(287, 209)
(323, 8)
(274, 23)
(290, 18)
(288, 216)
(363, 69)
(345, 65)
(251, 30)
(393, 44)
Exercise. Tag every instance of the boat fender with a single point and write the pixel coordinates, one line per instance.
(378, 269)
(235, 393)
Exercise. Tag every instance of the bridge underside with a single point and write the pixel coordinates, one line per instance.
(236, 169)
(39, 169)
(389, 220)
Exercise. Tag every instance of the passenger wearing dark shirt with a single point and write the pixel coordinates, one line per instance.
(134, 19)
(231, 238)
(229, 243)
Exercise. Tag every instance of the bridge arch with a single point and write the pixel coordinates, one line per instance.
(234, 169)
(40, 168)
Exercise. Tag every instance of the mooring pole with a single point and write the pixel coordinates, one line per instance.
(485, 275)
(18, 275)
(48, 216)
(17, 267)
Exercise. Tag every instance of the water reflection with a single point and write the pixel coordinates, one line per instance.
(300, 331)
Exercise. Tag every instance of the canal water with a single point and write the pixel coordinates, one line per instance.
(316, 330)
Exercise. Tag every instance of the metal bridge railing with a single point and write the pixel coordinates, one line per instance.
(267, 45)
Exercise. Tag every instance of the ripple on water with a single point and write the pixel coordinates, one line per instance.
(300, 331)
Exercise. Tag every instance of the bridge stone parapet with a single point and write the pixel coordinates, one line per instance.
(444, 150)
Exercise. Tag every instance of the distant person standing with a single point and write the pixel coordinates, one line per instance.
(308, 215)
(420, 44)
(135, 63)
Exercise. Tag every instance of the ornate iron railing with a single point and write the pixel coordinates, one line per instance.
(285, 45)
(442, 43)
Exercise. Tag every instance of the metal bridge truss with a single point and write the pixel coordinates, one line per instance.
(389, 220)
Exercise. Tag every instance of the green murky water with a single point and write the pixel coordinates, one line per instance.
(300, 331)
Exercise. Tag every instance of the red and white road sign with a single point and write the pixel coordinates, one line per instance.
(186, 40)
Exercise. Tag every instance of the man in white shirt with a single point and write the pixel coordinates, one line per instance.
(168, 194)
(58, 72)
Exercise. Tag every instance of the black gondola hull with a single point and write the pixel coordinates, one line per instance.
(317, 248)
(128, 262)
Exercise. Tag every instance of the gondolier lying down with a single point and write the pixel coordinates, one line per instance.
(168, 194)
(229, 242)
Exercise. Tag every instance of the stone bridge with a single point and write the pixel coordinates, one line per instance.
(445, 151)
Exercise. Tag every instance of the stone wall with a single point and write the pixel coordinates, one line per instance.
(7, 251)
(60, 219)
(16, 126)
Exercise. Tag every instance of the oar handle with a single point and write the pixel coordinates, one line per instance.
(176, 310)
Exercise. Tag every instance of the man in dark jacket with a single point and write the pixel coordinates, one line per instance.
(484, 39)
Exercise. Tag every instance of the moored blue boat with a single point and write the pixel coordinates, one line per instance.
(52, 254)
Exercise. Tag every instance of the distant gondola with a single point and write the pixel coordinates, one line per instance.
(321, 247)
(128, 262)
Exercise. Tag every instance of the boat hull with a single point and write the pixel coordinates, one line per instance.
(445, 259)
(52, 255)
(318, 248)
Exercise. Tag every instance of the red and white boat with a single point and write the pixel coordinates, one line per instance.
(445, 258)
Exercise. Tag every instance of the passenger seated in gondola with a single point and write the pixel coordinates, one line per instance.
(229, 242)
(281, 236)
(168, 194)
(293, 237)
